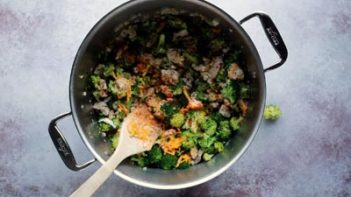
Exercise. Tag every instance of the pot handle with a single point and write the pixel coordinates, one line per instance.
(62, 146)
(273, 36)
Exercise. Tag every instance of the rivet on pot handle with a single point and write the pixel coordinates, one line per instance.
(62, 146)
(273, 36)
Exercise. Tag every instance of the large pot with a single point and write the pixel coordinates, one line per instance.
(85, 61)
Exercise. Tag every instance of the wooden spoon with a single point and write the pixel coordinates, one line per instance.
(139, 132)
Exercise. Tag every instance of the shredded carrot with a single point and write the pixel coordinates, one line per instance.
(184, 158)
(123, 108)
(170, 143)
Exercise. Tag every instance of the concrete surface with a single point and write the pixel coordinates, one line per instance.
(305, 153)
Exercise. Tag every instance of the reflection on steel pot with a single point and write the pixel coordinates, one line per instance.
(86, 60)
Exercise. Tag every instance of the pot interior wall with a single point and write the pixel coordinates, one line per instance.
(86, 60)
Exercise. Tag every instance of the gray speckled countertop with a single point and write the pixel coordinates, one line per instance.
(305, 153)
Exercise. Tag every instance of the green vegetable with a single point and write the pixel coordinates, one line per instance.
(244, 91)
(191, 58)
(184, 165)
(177, 23)
(189, 139)
(231, 57)
(177, 89)
(201, 93)
(207, 156)
(209, 126)
(140, 160)
(95, 80)
(235, 122)
(219, 146)
(169, 109)
(224, 130)
(161, 42)
(104, 127)
(206, 141)
(194, 119)
(114, 141)
(229, 91)
(155, 154)
(168, 162)
(177, 120)
(112, 87)
(109, 70)
(217, 44)
(272, 112)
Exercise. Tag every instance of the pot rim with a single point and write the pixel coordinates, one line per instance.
(261, 106)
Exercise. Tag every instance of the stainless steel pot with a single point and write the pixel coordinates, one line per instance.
(85, 61)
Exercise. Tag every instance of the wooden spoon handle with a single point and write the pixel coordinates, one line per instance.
(99, 177)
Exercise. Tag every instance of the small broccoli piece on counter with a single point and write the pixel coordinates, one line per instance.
(154, 155)
(209, 126)
(207, 156)
(272, 112)
(224, 130)
(229, 91)
(177, 120)
(219, 146)
(235, 122)
(168, 161)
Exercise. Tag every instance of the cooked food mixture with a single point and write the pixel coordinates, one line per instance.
(190, 75)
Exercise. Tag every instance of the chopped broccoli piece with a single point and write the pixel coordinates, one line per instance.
(114, 141)
(224, 130)
(109, 70)
(244, 91)
(219, 146)
(189, 139)
(217, 44)
(104, 127)
(177, 23)
(168, 161)
(272, 112)
(161, 42)
(95, 80)
(209, 126)
(112, 87)
(229, 91)
(140, 160)
(184, 165)
(177, 89)
(155, 154)
(206, 141)
(168, 109)
(194, 120)
(231, 57)
(235, 122)
(201, 93)
(207, 156)
(177, 120)
(191, 58)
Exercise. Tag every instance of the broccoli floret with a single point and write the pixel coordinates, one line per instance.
(155, 154)
(206, 141)
(177, 120)
(177, 89)
(219, 146)
(112, 87)
(229, 91)
(109, 70)
(207, 156)
(191, 58)
(244, 91)
(194, 120)
(140, 160)
(235, 122)
(272, 112)
(201, 93)
(104, 127)
(168, 161)
(160, 46)
(184, 165)
(177, 23)
(168, 110)
(209, 126)
(224, 130)
(189, 139)
(231, 57)
(95, 80)
(217, 44)
(114, 141)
